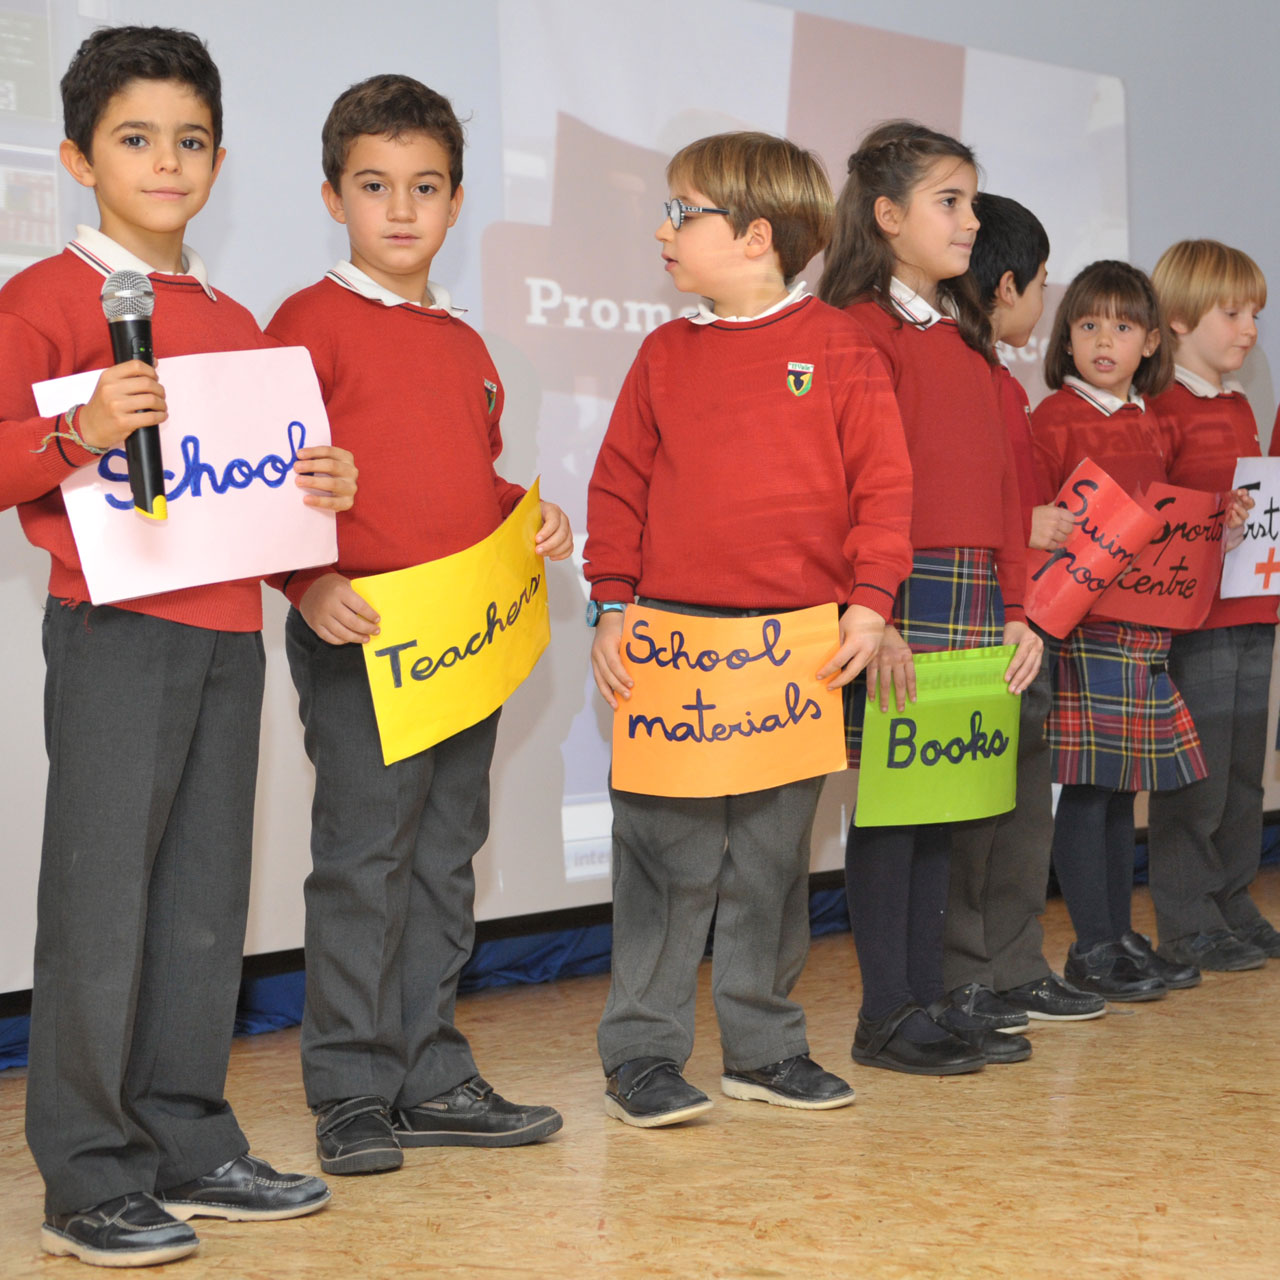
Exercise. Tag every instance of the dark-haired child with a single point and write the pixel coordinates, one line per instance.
(390, 898)
(719, 491)
(993, 964)
(152, 707)
(1118, 723)
(899, 263)
(1206, 838)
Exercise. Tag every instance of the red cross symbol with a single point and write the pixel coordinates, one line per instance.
(1267, 567)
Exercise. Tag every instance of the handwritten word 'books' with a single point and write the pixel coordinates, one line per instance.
(458, 635)
(723, 706)
(949, 756)
(236, 421)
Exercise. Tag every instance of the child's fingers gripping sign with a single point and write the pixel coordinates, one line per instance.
(612, 678)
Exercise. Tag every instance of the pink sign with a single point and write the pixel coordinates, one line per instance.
(236, 421)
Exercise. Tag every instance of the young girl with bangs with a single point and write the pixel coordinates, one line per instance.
(1118, 723)
(898, 262)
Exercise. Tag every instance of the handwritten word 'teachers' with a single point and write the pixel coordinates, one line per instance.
(494, 624)
(239, 473)
(977, 746)
(699, 730)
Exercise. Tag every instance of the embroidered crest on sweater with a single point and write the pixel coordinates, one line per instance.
(799, 378)
(490, 393)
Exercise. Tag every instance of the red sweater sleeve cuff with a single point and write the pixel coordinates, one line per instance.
(875, 597)
(296, 584)
(613, 591)
(1014, 613)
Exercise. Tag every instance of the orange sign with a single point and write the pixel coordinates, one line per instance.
(722, 706)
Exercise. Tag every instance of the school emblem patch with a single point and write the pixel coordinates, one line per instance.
(490, 394)
(799, 378)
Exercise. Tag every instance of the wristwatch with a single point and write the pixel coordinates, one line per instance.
(595, 609)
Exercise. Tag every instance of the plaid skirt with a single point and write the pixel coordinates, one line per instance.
(951, 600)
(1117, 719)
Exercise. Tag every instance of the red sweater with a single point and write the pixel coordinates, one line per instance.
(1015, 409)
(405, 388)
(1203, 437)
(1066, 428)
(51, 325)
(718, 484)
(966, 485)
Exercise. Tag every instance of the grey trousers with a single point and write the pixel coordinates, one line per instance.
(1205, 839)
(1000, 870)
(675, 862)
(391, 894)
(152, 733)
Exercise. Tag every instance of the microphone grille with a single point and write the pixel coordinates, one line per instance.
(127, 295)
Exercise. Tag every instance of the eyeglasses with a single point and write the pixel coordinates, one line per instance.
(676, 209)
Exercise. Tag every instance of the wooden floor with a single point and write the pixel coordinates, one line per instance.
(1143, 1145)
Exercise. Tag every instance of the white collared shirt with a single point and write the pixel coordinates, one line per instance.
(105, 256)
(706, 316)
(351, 277)
(1103, 401)
(1202, 387)
(919, 311)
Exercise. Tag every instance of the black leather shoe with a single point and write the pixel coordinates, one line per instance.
(246, 1189)
(1052, 1000)
(1175, 976)
(983, 1005)
(794, 1082)
(1108, 970)
(1219, 952)
(128, 1231)
(1263, 936)
(650, 1092)
(472, 1115)
(995, 1046)
(355, 1136)
(882, 1043)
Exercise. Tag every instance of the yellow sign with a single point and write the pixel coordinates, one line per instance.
(458, 635)
(722, 706)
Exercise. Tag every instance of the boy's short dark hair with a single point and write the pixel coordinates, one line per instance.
(390, 106)
(755, 175)
(1011, 238)
(110, 59)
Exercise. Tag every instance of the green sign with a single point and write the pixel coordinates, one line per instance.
(952, 754)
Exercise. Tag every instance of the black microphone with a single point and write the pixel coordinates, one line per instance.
(128, 301)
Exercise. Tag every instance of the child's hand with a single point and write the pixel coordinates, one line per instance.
(128, 396)
(1024, 664)
(861, 630)
(893, 668)
(555, 538)
(1050, 528)
(328, 474)
(1241, 504)
(606, 659)
(337, 613)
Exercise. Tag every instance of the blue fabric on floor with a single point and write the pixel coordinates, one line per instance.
(270, 1003)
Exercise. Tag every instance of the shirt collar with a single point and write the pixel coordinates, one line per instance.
(1202, 387)
(707, 316)
(105, 256)
(1103, 401)
(352, 278)
(917, 310)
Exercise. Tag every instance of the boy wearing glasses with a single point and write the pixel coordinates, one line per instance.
(754, 464)
(390, 899)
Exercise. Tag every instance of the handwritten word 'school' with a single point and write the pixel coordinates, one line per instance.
(427, 666)
(978, 746)
(239, 473)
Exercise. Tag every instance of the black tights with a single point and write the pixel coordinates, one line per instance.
(1093, 860)
(897, 880)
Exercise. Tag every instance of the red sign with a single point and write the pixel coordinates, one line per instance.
(1111, 528)
(1174, 580)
